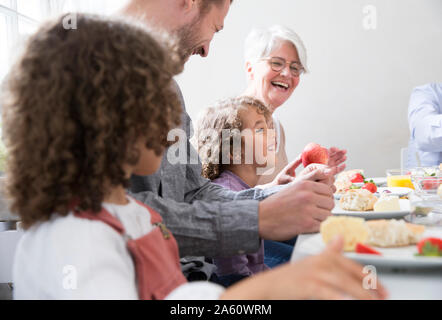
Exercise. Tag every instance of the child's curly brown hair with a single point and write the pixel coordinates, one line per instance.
(74, 106)
(209, 133)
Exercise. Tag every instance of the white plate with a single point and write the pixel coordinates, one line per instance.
(394, 191)
(370, 215)
(380, 181)
(403, 257)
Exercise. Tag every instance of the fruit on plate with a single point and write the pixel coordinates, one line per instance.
(364, 249)
(357, 178)
(370, 186)
(430, 183)
(343, 182)
(430, 247)
(314, 153)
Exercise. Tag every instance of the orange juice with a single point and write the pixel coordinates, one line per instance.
(400, 181)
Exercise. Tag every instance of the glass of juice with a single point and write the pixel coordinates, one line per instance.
(399, 178)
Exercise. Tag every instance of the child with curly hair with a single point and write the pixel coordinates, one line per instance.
(236, 147)
(83, 110)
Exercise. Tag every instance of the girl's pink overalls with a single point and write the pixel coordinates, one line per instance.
(155, 255)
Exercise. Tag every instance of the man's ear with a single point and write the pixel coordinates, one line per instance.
(188, 5)
(249, 70)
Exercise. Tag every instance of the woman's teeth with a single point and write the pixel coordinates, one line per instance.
(280, 84)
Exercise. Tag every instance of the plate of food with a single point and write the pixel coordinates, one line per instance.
(365, 204)
(401, 192)
(384, 243)
(394, 191)
(355, 179)
(380, 181)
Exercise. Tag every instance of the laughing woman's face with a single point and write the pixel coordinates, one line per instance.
(274, 87)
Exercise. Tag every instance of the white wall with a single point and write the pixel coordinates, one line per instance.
(357, 93)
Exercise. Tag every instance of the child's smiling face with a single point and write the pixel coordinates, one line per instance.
(262, 143)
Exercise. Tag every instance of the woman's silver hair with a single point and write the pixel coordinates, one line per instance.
(260, 43)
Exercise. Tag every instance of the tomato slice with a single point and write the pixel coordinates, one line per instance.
(362, 248)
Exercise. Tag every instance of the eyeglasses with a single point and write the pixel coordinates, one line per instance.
(278, 64)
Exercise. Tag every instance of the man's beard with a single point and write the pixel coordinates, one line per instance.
(188, 38)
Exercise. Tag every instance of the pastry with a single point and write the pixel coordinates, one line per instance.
(343, 183)
(358, 200)
(393, 233)
(379, 233)
(387, 203)
(352, 229)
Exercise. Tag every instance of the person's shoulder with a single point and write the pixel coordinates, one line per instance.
(224, 180)
(427, 94)
(66, 234)
(433, 87)
(52, 251)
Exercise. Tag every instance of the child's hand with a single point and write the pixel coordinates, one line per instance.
(320, 173)
(288, 174)
(336, 156)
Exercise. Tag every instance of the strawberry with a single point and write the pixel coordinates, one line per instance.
(431, 247)
(357, 177)
(370, 186)
(364, 249)
(430, 183)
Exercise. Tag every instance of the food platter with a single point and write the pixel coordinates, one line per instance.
(378, 181)
(369, 215)
(400, 257)
(394, 191)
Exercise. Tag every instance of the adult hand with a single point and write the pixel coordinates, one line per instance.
(336, 156)
(328, 276)
(299, 208)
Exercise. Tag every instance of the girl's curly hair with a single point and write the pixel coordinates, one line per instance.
(209, 133)
(75, 104)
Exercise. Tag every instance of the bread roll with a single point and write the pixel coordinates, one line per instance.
(352, 229)
(393, 233)
(358, 200)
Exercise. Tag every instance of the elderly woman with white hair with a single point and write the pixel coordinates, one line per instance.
(275, 60)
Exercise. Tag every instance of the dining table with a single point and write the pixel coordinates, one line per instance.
(402, 282)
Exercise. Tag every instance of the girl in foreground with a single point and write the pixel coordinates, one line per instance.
(83, 110)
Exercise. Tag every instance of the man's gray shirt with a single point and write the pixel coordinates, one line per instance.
(206, 219)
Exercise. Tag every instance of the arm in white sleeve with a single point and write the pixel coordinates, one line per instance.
(425, 120)
(199, 290)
